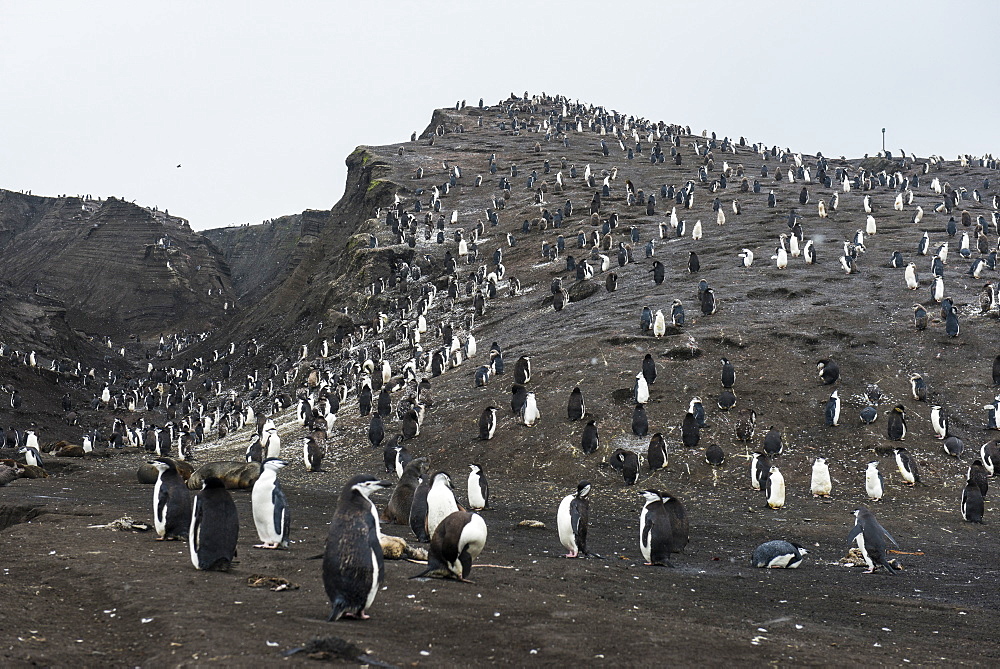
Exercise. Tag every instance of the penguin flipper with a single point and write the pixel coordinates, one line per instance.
(889, 537)
(855, 531)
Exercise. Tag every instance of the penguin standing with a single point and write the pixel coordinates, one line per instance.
(488, 423)
(397, 511)
(832, 413)
(979, 475)
(353, 566)
(874, 483)
(376, 430)
(778, 554)
(440, 501)
(577, 408)
(522, 370)
(907, 466)
(529, 412)
(215, 527)
(656, 453)
(640, 389)
(457, 541)
(418, 509)
(870, 537)
(690, 432)
(896, 429)
(572, 519)
(479, 488)
(31, 456)
(663, 527)
(640, 423)
(775, 488)
(728, 374)
(171, 502)
(760, 469)
(270, 508)
(939, 421)
(649, 369)
(821, 484)
(590, 441)
(972, 503)
(312, 454)
(773, 444)
(627, 462)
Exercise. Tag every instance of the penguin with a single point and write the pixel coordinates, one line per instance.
(690, 432)
(775, 488)
(656, 452)
(519, 395)
(829, 371)
(870, 537)
(353, 566)
(376, 430)
(715, 456)
(746, 424)
(772, 442)
(577, 408)
(590, 441)
(529, 412)
(727, 400)
(778, 554)
(440, 501)
(418, 510)
(270, 508)
(993, 414)
(478, 488)
(897, 262)
(728, 374)
(649, 369)
(572, 518)
(698, 409)
(677, 313)
(215, 527)
(920, 317)
(951, 325)
(760, 470)
(809, 252)
(662, 527)
(312, 454)
(694, 265)
(31, 456)
(488, 423)
(907, 466)
(171, 501)
(989, 453)
(627, 462)
(640, 423)
(896, 428)
(708, 303)
(659, 324)
(980, 476)
(659, 272)
(918, 389)
(522, 370)
(869, 414)
(397, 511)
(457, 541)
(821, 484)
(874, 483)
(640, 389)
(832, 413)
(939, 422)
(996, 371)
(972, 503)
(271, 443)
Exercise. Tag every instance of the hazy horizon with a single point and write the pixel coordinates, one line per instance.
(260, 104)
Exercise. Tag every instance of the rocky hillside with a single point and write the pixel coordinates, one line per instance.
(262, 256)
(110, 267)
(549, 227)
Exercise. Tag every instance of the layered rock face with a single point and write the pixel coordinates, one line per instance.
(115, 268)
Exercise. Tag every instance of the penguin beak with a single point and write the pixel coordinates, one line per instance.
(386, 484)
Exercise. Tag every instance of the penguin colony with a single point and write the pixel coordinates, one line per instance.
(371, 382)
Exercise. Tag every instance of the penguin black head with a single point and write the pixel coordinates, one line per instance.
(274, 463)
(654, 496)
(364, 484)
(583, 489)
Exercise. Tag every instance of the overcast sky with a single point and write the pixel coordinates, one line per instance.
(261, 102)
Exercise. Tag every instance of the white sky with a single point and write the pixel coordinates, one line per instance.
(261, 102)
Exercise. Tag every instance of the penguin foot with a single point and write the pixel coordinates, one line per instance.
(570, 555)
(267, 545)
(357, 616)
